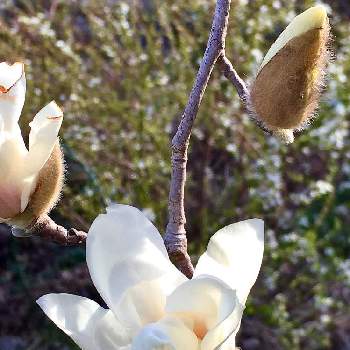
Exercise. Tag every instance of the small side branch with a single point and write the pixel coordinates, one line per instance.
(230, 73)
(47, 229)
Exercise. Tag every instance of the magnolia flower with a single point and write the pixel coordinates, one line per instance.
(151, 304)
(30, 181)
(287, 88)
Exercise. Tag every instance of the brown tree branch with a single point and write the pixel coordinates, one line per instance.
(175, 237)
(47, 229)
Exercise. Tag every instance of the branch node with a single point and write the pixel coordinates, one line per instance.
(47, 229)
(176, 245)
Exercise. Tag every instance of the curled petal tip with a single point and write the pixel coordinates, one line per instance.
(42, 301)
(318, 11)
(56, 110)
(10, 75)
(51, 112)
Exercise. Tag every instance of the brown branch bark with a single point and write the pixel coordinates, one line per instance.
(175, 236)
(47, 229)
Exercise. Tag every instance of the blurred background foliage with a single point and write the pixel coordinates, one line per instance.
(122, 71)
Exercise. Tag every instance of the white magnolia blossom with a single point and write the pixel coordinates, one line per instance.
(20, 167)
(151, 304)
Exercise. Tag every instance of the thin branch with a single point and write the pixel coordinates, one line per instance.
(175, 237)
(230, 73)
(47, 229)
(215, 45)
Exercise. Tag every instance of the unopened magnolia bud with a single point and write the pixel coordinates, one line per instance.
(286, 91)
(30, 179)
(47, 191)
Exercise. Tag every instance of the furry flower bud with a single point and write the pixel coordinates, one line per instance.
(30, 180)
(286, 91)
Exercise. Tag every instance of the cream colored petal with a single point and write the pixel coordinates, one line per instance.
(12, 147)
(42, 138)
(222, 337)
(12, 155)
(28, 186)
(12, 95)
(230, 343)
(9, 75)
(76, 316)
(11, 185)
(209, 307)
(166, 334)
(88, 324)
(312, 18)
(141, 304)
(125, 254)
(110, 334)
(234, 255)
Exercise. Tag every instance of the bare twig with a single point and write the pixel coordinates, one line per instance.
(231, 74)
(47, 229)
(175, 237)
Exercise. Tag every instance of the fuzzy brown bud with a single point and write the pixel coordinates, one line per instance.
(286, 91)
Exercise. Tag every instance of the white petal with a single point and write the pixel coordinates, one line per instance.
(42, 137)
(166, 334)
(9, 75)
(13, 87)
(223, 337)
(28, 187)
(230, 343)
(12, 148)
(129, 265)
(11, 159)
(110, 334)
(209, 306)
(312, 18)
(141, 304)
(234, 255)
(76, 316)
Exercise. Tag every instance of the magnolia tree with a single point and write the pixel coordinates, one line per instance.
(156, 299)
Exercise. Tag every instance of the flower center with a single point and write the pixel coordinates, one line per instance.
(200, 329)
